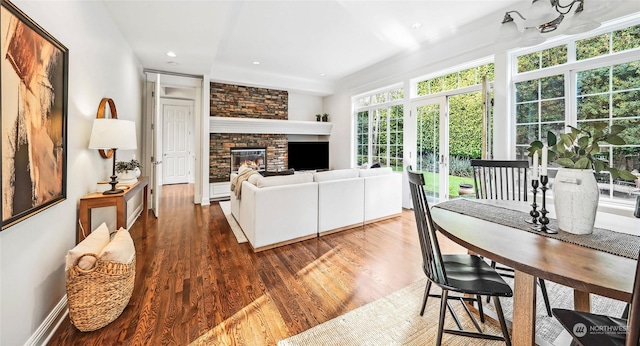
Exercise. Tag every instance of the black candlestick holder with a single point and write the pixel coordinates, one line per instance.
(534, 213)
(544, 220)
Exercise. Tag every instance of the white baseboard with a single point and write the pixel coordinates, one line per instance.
(132, 218)
(45, 331)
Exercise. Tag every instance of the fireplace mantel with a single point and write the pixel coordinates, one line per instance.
(268, 126)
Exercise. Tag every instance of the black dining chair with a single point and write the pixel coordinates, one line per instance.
(504, 180)
(589, 329)
(464, 274)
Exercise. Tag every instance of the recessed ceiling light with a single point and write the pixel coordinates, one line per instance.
(174, 63)
(171, 54)
(323, 74)
(416, 26)
(256, 62)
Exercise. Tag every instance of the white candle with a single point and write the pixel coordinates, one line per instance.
(535, 172)
(543, 170)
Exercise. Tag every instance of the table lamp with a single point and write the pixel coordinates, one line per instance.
(113, 134)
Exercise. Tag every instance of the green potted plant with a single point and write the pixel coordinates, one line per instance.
(575, 188)
(578, 149)
(318, 117)
(128, 171)
(325, 117)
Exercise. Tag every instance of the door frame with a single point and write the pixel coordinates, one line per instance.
(156, 81)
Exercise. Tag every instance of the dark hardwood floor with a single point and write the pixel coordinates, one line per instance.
(194, 282)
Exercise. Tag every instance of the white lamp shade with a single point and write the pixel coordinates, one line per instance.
(540, 12)
(508, 31)
(531, 37)
(113, 134)
(579, 24)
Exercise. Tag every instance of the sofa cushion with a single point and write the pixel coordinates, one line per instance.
(120, 249)
(375, 172)
(93, 243)
(335, 175)
(284, 180)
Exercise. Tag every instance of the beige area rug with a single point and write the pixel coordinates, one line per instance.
(395, 320)
(235, 228)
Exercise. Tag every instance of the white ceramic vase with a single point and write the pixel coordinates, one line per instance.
(127, 177)
(575, 197)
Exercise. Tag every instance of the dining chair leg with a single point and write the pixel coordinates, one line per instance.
(503, 323)
(493, 265)
(545, 296)
(480, 310)
(443, 310)
(426, 296)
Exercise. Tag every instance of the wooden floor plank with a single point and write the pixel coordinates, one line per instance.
(193, 279)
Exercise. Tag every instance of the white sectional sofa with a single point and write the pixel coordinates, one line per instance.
(340, 200)
(279, 210)
(382, 193)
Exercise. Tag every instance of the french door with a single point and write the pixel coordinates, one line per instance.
(448, 134)
(430, 120)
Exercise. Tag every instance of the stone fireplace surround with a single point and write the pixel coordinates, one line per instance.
(243, 116)
(236, 101)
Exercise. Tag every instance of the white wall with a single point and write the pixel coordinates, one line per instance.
(304, 107)
(101, 64)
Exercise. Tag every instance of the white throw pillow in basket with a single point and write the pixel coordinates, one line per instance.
(97, 295)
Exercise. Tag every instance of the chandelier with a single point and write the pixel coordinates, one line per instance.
(545, 16)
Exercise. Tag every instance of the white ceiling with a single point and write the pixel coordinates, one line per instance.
(296, 40)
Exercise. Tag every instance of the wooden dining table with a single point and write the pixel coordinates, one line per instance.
(534, 255)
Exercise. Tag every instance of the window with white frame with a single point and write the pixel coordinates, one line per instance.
(579, 83)
(378, 128)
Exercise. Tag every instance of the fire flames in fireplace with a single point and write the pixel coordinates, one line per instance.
(251, 157)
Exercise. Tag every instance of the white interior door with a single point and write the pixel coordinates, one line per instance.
(176, 134)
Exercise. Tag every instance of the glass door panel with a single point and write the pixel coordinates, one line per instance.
(465, 141)
(429, 148)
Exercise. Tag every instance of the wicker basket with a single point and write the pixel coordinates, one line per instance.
(96, 297)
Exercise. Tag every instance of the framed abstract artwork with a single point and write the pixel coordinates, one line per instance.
(33, 101)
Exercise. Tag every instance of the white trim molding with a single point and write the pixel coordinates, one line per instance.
(45, 331)
(268, 126)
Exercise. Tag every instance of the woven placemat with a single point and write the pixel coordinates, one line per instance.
(616, 243)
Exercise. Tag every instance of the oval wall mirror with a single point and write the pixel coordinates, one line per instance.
(114, 115)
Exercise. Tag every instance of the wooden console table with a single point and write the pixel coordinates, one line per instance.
(119, 200)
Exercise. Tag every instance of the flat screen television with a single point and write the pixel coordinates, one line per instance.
(304, 156)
